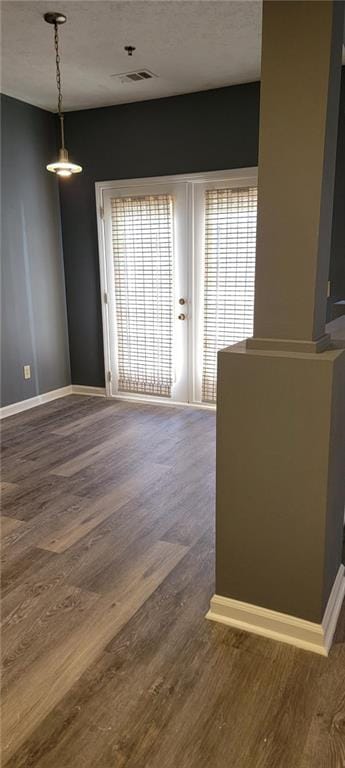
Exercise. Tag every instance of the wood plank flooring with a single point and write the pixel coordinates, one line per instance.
(108, 560)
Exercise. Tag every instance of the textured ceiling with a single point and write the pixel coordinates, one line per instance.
(190, 44)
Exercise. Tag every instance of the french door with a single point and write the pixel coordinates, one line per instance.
(177, 264)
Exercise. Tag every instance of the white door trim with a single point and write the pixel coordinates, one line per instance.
(233, 174)
(234, 177)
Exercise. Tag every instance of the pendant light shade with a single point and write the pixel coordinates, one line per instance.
(63, 167)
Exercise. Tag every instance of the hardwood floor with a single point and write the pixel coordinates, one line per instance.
(108, 661)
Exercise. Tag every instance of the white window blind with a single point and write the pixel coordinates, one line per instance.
(230, 240)
(142, 237)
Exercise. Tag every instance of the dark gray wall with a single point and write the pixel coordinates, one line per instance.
(33, 314)
(212, 130)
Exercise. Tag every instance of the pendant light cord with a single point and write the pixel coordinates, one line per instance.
(58, 83)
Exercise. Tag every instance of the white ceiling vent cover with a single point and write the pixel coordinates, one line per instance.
(135, 77)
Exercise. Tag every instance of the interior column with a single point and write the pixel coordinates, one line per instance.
(281, 395)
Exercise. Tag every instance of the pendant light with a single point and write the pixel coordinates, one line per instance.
(62, 167)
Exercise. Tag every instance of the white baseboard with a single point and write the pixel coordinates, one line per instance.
(163, 401)
(46, 397)
(281, 626)
(32, 402)
(79, 389)
(333, 608)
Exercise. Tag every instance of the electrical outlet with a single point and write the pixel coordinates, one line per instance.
(27, 372)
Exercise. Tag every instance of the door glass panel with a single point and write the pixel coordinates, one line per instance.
(229, 275)
(143, 256)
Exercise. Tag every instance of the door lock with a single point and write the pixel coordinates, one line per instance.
(182, 316)
(182, 301)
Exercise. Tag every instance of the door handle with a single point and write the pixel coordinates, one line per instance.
(182, 301)
(182, 316)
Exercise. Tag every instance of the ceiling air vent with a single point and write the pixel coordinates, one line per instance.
(135, 77)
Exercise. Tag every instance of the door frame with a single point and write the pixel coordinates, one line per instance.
(233, 176)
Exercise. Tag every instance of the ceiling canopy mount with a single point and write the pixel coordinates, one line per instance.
(55, 18)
